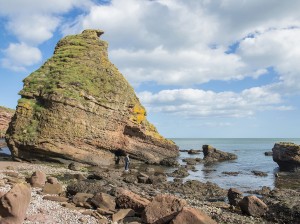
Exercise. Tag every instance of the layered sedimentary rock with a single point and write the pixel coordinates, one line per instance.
(5, 117)
(78, 106)
(287, 156)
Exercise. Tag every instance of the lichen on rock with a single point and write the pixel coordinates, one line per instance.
(78, 106)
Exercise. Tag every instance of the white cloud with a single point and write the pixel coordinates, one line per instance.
(183, 42)
(200, 103)
(18, 56)
(279, 49)
(33, 29)
(184, 67)
(33, 21)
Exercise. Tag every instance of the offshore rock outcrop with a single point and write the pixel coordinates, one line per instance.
(78, 106)
(287, 156)
(212, 155)
(5, 117)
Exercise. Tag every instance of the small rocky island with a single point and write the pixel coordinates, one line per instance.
(287, 156)
(78, 106)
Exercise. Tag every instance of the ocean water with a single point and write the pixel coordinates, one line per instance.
(250, 152)
(4, 150)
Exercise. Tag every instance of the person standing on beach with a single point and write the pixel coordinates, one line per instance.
(127, 161)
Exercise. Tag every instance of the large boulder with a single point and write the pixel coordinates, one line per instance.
(192, 215)
(211, 154)
(234, 196)
(287, 156)
(38, 179)
(128, 199)
(104, 201)
(78, 106)
(163, 209)
(14, 204)
(252, 205)
(5, 117)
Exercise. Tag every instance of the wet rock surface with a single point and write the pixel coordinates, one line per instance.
(259, 173)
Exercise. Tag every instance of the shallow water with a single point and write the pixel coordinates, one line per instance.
(4, 150)
(250, 152)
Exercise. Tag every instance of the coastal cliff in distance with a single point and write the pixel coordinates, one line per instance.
(78, 106)
(5, 117)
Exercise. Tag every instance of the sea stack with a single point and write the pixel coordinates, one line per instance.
(287, 156)
(78, 106)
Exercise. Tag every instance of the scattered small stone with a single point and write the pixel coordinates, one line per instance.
(55, 198)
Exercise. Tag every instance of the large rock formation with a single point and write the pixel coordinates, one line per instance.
(78, 106)
(287, 156)
(212, 155)
(5, 117)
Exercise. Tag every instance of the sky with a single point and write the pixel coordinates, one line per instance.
(202, 69)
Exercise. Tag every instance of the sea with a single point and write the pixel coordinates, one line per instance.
(250, 152)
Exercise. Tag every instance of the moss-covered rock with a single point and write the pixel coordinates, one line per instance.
(78, 106)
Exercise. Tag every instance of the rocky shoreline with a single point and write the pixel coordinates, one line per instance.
(109, 195)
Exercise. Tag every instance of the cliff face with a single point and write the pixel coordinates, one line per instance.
(78, 106)
(5, 117)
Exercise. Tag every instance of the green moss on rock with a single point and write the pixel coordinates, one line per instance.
(79, 106)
